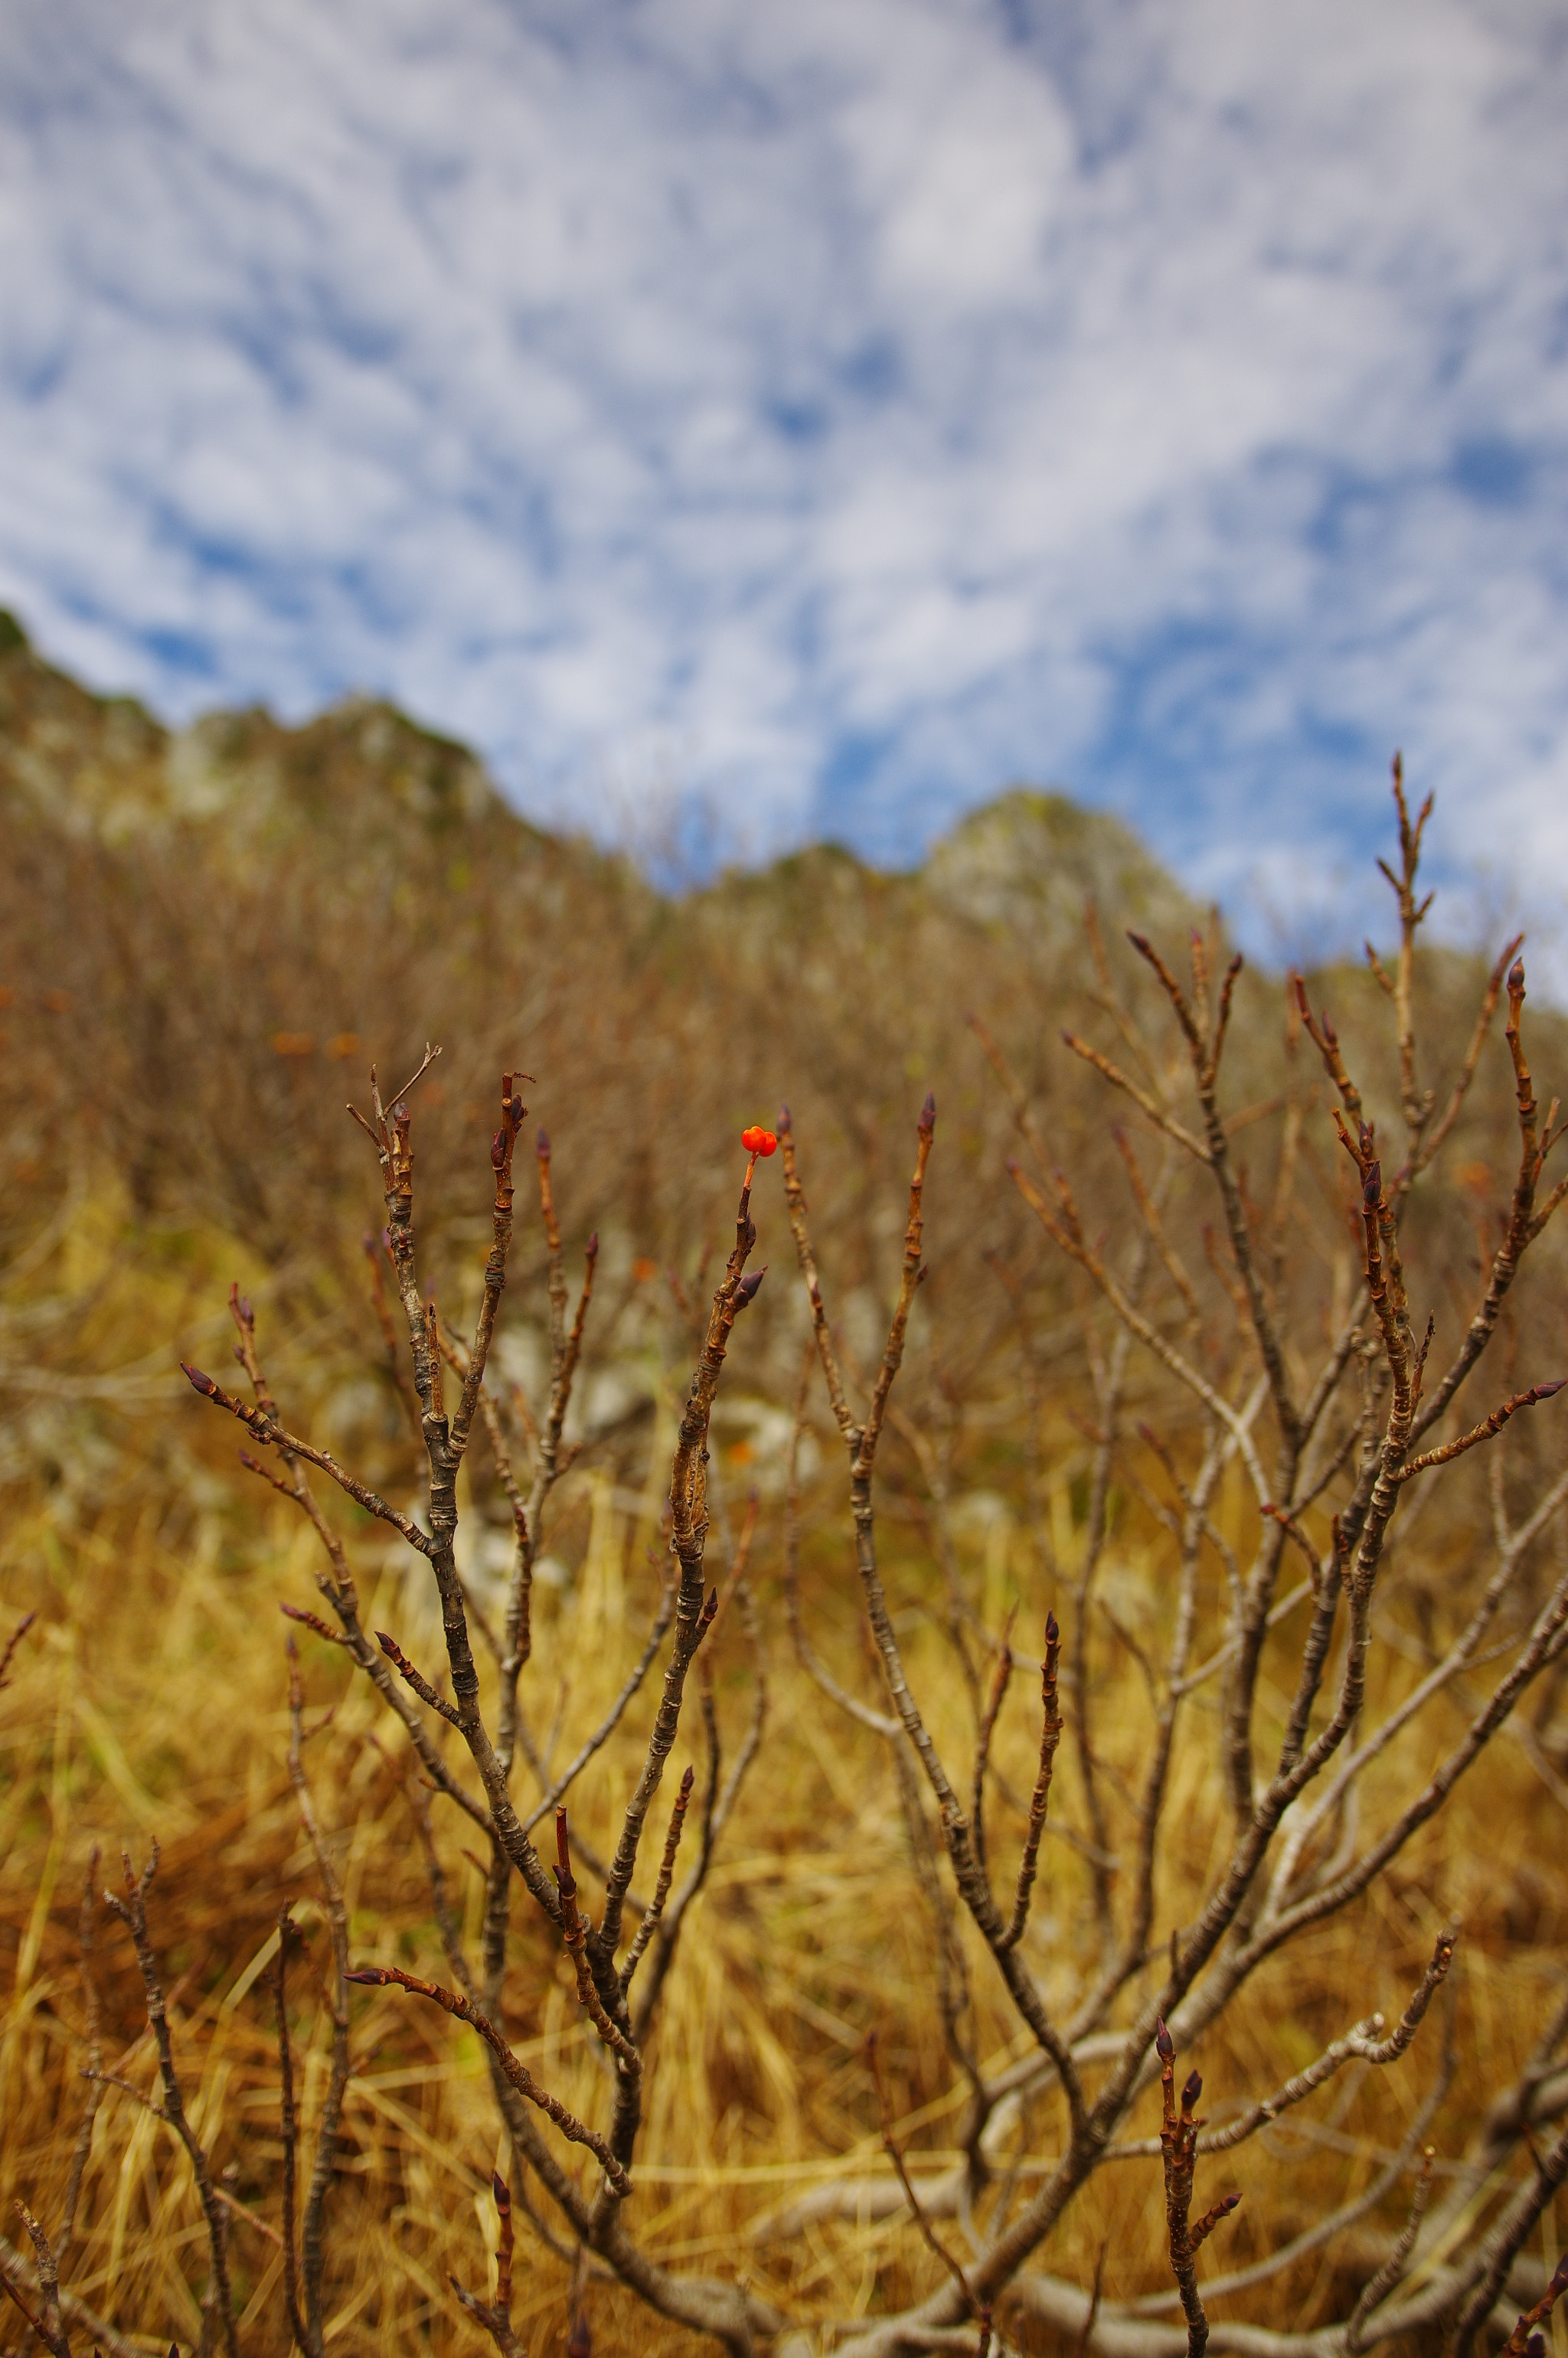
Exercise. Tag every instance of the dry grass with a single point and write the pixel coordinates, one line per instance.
(150, 1702)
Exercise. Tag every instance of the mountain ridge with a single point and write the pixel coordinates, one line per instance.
(366, 775)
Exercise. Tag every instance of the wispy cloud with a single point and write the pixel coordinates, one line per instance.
(838, 411)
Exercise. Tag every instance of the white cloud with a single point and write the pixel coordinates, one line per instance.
(845, 409)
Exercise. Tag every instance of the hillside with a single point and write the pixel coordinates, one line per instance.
(210, 933)
(239, 904)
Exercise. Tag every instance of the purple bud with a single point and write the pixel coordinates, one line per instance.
(1373, 1186)
(1516, 974)
(928, 1114)
(1053, 1629)
(1164, 2045)
(1192, 2089)
(542, 1144)
(783, 1121)
(747, 1290)
(687, 1782)
(593, 1246)
(501, 2192)
(498, 1149)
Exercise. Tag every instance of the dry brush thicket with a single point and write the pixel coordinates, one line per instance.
(649, 1838)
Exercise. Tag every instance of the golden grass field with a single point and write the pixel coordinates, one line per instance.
(149, 1701)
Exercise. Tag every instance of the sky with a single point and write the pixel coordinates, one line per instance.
(749, 422)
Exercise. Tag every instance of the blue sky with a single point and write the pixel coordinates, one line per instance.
(813, 417)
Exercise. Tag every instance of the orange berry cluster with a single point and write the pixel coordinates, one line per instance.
(758, 1140)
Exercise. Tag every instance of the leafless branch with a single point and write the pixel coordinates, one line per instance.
(517, 2072)
(131, 1910)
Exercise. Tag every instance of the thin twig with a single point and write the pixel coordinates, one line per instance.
(522, 2078)
(132, 1911)
(312, 2233)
